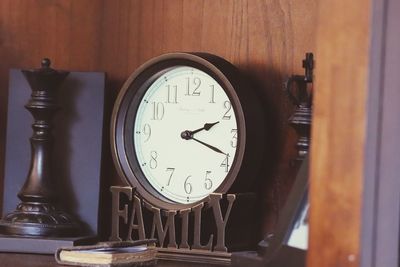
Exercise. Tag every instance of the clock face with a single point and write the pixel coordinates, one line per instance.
(185, 134)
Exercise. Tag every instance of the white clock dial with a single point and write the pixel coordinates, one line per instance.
(185, 134)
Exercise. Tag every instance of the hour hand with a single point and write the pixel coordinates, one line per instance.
(206, 127)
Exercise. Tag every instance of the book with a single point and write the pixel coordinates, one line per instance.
(135, 253)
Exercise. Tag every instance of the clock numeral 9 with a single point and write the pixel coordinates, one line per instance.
(153, 160)
(196, 83)
(172, 170)
(234, 138)
(188, 186)
(158, 111)
(208, 182)
(147, 132)
(227, 106)
(172, 95)
(225, 163)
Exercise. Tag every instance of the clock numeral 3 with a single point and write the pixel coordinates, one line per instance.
(208, 182)
(225, 163)
(171, 170)
(234, 138)
(158, 111)
(153, 161)
(227, 106)
(188, 186)
(172, 96)
(196, 83)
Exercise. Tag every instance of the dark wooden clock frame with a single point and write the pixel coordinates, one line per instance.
(204, 219)
(249, 122)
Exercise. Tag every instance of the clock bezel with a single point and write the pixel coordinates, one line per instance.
(124, 114)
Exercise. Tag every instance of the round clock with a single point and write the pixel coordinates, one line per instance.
(179, 129)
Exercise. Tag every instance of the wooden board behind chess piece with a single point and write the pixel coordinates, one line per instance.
(82, 99)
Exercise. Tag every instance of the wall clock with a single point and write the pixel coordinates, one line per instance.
(185, 125)
(187, 135)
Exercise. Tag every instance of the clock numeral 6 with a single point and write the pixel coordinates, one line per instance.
(208, 182)
(158, 111)
(225, 163)
(153, 160)
(188, 186)
(227, 106)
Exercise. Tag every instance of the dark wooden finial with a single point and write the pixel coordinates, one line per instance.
(45, 63)
(308, 65)
(299, 89)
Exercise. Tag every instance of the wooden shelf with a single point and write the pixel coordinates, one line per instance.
(36, 260)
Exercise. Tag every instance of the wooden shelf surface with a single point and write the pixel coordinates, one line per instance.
(37, 260)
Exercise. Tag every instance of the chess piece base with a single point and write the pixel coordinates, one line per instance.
(38, 219)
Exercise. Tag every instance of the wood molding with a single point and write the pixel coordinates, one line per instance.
(381, 218)
(339, 132)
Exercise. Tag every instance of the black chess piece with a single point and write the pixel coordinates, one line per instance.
(37, 214)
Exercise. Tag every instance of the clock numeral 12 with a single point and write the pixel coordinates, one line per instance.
(225, 163)
(196, 83)
(172, 95)
(158, 110)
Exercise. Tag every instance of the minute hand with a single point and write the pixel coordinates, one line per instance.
(209, 146)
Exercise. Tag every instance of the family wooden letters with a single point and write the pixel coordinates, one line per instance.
(176, 229)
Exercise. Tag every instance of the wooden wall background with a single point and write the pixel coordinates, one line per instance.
(266, 39)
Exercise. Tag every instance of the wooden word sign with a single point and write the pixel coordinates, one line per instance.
(135, 221)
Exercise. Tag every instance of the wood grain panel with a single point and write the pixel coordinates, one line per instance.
(339, 133)
(266, 39)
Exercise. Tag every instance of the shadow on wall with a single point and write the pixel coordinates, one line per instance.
(279, 144)
(109, 174)
(67, 114)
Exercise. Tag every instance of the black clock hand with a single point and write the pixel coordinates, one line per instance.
(206, 127)
(188, 135)
(209, 146)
